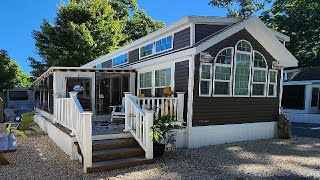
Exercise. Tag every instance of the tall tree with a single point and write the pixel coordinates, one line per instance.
(86, 29)
(299, 19)
(10, 73)
(240, 8)
(140, 25)
(38, 67)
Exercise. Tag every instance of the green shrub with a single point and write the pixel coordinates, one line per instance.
(26, 120)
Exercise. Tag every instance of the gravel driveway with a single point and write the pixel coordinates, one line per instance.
(306, 130)
(298, 158)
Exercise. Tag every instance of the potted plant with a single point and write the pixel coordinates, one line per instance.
(161, 126)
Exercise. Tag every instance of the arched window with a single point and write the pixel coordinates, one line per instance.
(259, 76)
(223, 72)
(242, 71)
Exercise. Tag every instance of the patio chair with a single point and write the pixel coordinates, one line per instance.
(118, 114)
(9, 114)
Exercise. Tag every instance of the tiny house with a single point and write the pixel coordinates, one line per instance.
(226, 75)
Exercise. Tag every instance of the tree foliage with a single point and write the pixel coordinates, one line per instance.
(86, 29)
(240, 8)
(299, 19)
(10, 73)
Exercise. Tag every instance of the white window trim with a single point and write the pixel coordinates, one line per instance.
(210, 80)
(266, 75)
(275, 84)
(235, 68)
(122, 63)
(153, 71)
(223, 65)
(154, 46)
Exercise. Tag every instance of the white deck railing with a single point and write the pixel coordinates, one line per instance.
(139, 116)
(69, 113)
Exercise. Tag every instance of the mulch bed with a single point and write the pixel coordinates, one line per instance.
(3, 160)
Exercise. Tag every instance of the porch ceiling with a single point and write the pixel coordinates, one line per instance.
(81, 69)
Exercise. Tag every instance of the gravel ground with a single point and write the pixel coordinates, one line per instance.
(299, 158)
(306, 130)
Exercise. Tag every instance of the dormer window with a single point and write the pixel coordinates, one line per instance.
(164, 44)
(146, 50)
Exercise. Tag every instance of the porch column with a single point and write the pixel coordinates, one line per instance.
(180, 107)
(55, 107)
(127, 109)
(72, 94)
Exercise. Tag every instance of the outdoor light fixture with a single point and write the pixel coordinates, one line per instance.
(275, 65)
(205, 57)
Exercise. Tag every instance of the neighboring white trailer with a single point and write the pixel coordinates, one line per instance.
(20, 99)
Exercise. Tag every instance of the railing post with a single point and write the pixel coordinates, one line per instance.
(55, 107)
(180, 107)
(127, 110)
(149, 142)
(87, 140)
(72, 94)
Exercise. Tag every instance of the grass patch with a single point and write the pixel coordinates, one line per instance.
(26, 120)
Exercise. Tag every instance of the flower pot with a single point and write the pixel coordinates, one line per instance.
(4, 145)
(12, 142)
(158, 150)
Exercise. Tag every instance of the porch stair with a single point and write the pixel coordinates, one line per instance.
(110, 154)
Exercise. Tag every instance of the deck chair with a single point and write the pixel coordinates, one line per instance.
(118, 114)
(9, 114)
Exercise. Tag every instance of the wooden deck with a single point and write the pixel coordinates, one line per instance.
(101, 128)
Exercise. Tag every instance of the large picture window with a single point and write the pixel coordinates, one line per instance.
(152, 83)
(222, 73)
(242, 67)
(205, 79)
(259, 80)
(238, 72)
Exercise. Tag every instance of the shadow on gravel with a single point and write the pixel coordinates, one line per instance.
(306, 130)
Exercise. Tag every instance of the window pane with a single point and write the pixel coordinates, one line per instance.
(222, 73)
(225, 57)
(242, 74)
(271, 90)
(204, 87)
(244, 46)
(163, 77)
(120, 59)
(158, 92)
(314, 100)
(259, 76)
(221, 88)
(258, 89)
(145, 80)
(273, 76)
(146, 92)
(259, 61)
(205, 72)
(146, 50)
(164, 44)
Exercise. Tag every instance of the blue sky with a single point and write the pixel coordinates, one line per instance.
(20, 17)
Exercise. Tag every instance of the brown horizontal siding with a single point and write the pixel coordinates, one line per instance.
(181, 39)
(107, 64)
(233, 110)
(204, 30)
(181, 78)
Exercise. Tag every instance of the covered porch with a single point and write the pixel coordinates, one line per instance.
(87, 112)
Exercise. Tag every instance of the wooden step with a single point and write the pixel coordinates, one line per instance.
(118, 164)
(119, 153)
(114, 143)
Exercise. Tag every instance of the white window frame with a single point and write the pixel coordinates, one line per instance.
(235, 68)
(139, 85)
(155, 44)
(153, 71)
(154, 52)
(266, 75)
(231, 71)
(122, 63)
(275, 84)
(210, 80)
